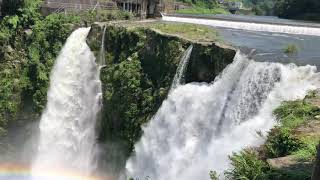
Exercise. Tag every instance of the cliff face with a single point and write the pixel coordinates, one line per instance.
(140, 65)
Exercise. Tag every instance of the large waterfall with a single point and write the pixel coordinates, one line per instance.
(200, 124)
(251, 26)
(67, 137)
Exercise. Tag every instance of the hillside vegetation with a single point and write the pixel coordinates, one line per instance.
(291, 9)
(202, 7)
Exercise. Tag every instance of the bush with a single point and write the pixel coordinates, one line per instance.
(309, 151)
(291, 49)
(213, 175)
(281, 143)
(293, 113)
(247, 166)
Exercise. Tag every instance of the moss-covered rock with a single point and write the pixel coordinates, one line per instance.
(140, 65)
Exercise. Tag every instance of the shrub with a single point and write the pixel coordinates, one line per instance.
(280, 143)
(291, 49)
(309, 151)
(213, 175)
(247, 166)
(293, 113)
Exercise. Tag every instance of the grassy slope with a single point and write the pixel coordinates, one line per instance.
(192, 32)
(203, 7)
(203, 10)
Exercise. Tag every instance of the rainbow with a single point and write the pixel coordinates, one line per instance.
(21, 172)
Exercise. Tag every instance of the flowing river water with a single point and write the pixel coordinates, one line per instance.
(264, 38)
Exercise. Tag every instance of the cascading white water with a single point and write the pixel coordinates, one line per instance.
(200, 124)
(183, 64)
(251, 26)
(67, 137)
(102, 58)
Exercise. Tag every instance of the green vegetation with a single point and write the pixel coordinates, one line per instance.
(290, 9)
(297, 9)
(213, 175)
(247, 166)
(261, 7)
(281, 143)
(290, 49)
(203, 7)
(291, 139)
(202, 10)
(10, 7)
(197, 33)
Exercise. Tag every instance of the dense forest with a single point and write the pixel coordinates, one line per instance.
(291, 9)
(297, 9)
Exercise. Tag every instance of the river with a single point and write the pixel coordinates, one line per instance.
(264, 43)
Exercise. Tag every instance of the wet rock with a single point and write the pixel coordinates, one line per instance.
(309, 129)
(289, 163)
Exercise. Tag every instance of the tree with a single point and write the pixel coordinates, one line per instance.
(10, 7)
(306, 9)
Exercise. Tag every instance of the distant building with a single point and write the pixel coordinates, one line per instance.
(143, 8)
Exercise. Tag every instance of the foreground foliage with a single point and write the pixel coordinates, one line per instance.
(290, 139)
(247, 166)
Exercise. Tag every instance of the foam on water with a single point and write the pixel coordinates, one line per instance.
(251, 26)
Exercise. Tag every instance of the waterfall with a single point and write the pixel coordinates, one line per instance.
(200, 124)
(179, 76)
(251, 26)
(102, 58)
(67, 137)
